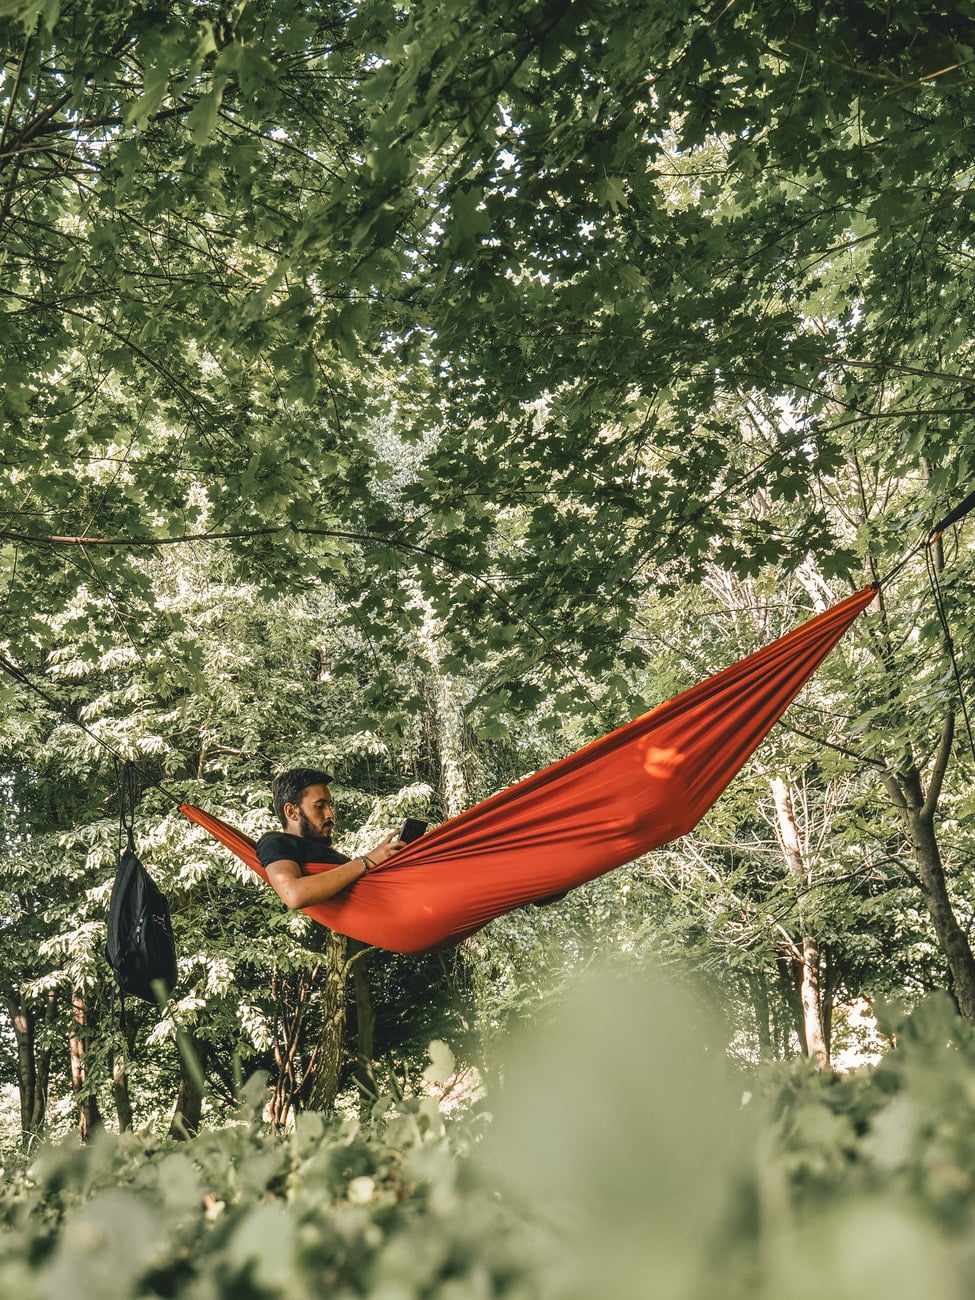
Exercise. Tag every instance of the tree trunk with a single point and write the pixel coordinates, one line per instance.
(448, 720)
(365, 1027)
(43, 1058)
(830, 983)
(917, 812)
(189, 1094)
(326, 1066)
(120, 1075)
(292, 997)
(785, 964)
(807, 955)
(83, 1016)
(918, 808)
(33, 1062)
(758, 987)
(120, 1091)
(812, 1007)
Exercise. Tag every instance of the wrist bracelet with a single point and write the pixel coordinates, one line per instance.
(367, 862)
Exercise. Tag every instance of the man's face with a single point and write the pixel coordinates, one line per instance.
(316, 816)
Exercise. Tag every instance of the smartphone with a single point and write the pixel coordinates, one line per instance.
(411, 830)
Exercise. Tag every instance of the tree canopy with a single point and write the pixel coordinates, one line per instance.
(570, 250)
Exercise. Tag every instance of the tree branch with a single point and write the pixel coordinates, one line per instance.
(13, 94)
(397, 544)
(939, 769)
(904, 370)
(840, 749)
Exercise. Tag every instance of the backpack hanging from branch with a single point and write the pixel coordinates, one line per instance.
(140, 947)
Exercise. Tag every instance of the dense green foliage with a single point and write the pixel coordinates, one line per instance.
(695, 1182)
(420, 390)
(615, 268)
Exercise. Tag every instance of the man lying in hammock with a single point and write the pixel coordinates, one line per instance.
(643, 785)
(303, 802)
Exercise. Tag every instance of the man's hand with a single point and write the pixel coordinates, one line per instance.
(386, 849)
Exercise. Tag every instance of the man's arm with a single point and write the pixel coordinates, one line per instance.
(297, 890)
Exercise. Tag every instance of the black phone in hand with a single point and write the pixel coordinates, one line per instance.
(411, 830)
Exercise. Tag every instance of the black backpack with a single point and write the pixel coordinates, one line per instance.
(140, 947)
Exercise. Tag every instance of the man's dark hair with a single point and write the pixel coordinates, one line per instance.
(288, 787)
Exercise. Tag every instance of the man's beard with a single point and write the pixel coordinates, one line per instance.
(305, 828)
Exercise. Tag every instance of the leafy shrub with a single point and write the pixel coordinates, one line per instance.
(624, 1156)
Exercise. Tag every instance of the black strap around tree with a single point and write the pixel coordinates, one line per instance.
(960, 511)
(127, 799)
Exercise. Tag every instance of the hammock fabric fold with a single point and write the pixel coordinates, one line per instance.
(643, 785)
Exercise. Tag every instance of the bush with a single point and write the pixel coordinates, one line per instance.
(625, 1156)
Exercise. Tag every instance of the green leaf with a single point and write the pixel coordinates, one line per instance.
(203, 117)
(31, 12)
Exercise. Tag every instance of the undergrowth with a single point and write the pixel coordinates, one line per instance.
(624, 1156)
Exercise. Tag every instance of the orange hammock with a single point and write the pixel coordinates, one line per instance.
(641, 786)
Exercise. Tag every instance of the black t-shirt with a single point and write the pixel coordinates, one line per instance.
(278, 845)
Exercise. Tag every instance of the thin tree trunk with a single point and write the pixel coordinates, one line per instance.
(42, 1056)
(829, 985)
(22, 1020)
(120, 1091)
(760, 1005)
(365, 1028)
(917, 812)
(52, 1013)
(290, 1015)
(326, 1066)
(812, 1009)
(807, 957)
(448, 719)
(89, 1116)
(123, 1099)
(786, 965)
(189, 1093)
(120, 1076)
(918, 808)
